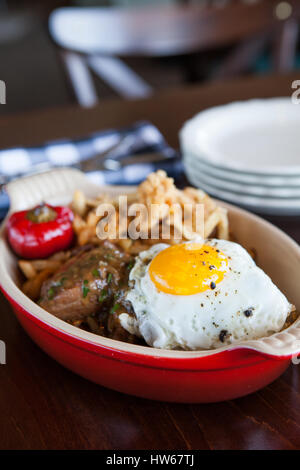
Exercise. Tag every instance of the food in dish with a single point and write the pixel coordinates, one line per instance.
(202, 296)
(90, 290)
(112, 287)
(41, 231)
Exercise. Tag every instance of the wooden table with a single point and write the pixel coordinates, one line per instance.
(44, 406)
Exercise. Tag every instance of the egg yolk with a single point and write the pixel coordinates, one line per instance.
(188, 268)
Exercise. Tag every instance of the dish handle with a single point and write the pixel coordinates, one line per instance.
(285, 343)
(31, 190)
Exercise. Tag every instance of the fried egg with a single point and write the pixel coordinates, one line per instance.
(201, 295)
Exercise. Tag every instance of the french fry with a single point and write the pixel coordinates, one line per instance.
(32, 287)
(78, 223)
(125, 244)
(223, 226)
(79, 204)
(92, 219)
(41, 264)
(27, 268)
(85, 235)
(211, 223)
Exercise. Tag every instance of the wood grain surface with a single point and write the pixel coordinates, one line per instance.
(44, 406)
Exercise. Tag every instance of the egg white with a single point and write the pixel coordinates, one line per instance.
(209, 319)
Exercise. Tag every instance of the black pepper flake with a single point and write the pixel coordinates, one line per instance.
(213, 285)
(248, 312)
(212, 267)
(222, 335)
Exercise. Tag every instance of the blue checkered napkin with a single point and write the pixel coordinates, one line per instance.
(142, 137)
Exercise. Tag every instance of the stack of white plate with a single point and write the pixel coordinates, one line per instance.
(247, 153)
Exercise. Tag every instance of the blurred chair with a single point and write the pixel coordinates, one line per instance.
(98, 38)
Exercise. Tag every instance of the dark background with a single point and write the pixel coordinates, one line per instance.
(33, 72)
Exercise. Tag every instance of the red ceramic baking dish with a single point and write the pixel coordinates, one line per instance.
(179, 376)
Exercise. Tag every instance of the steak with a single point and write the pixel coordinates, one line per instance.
(91, 283)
